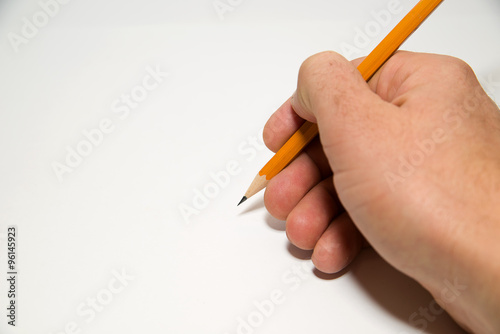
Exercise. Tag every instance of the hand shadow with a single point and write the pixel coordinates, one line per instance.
(400, 295)
(395, 292)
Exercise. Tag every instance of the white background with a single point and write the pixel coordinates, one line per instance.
(119, 209)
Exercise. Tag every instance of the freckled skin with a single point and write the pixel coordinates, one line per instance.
(408, 161)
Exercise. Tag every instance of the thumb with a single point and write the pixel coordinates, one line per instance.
(332, 92)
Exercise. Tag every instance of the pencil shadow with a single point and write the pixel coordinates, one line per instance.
(398, 294)
(257, 205)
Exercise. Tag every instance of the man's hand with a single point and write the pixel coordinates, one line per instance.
(410, 162)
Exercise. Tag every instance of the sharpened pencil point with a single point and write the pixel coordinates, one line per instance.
(242, 200)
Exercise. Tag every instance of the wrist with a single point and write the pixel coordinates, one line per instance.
(468, 288)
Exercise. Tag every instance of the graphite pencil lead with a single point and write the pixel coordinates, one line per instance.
(242, 200)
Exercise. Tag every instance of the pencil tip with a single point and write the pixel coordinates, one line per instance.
(242, 200)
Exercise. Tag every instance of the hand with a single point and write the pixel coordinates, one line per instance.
(409, 161)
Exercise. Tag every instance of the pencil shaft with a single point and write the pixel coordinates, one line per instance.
(291, 149)
(384, 50)
(368, 67)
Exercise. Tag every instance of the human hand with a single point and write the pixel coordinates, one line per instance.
(410, 161)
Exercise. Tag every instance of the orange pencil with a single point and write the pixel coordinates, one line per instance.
(308, 131)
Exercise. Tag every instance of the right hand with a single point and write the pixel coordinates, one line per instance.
(415, 159)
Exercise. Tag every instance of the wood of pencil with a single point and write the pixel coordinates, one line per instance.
(308, 131)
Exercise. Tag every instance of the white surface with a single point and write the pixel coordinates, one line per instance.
(119, 210)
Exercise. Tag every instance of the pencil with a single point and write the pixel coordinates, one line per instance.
(308, 131)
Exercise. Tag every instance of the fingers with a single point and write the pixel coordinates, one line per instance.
(337, 246)
(310, 218)
(332, 91)
(281, 126)
(319, 222)
(287, 188)
(351, 117)
(284, 122)
(329, 84)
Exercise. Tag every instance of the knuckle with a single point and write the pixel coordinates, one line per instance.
(457, 70)
(320, 64)
(321, 73)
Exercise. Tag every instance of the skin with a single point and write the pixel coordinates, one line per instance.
(408, 163)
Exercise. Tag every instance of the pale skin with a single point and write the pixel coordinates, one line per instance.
(409, 164)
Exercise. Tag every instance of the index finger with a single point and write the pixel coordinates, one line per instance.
(281, 126)
(285, 122)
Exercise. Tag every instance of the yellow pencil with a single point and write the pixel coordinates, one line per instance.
(367, 68)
